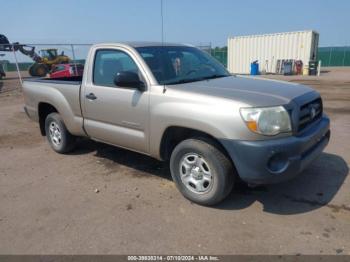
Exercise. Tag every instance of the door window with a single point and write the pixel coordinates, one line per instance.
(108, 63)
(58, 68)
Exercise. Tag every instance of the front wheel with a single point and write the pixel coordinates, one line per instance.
(201, 172)
(57, 134)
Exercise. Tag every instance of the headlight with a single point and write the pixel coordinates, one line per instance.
(267, 120)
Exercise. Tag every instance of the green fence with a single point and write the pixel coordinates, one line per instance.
(220, 55)
(334, 56)
(12, 66)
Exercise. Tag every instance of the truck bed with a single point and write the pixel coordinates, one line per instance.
(61, 93)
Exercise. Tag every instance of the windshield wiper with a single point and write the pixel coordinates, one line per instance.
(183, 81)
(213, 77)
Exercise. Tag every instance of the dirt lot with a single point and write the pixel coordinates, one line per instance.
(48, 203)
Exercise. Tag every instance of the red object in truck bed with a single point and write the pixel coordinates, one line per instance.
(66, 70)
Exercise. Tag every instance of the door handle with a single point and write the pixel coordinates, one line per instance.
(91, 96)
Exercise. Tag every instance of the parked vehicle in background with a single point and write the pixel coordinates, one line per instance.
(66, 70)
(177, 103)
(2, 71)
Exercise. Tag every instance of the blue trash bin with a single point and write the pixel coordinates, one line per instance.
(254, 68)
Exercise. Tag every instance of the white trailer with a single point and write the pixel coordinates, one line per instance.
(269, 48)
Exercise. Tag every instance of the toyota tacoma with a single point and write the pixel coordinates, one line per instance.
(178, 104)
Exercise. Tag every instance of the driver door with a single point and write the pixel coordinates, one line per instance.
(113, 114)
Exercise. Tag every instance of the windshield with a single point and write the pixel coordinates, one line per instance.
(49, 53)
(181, 64)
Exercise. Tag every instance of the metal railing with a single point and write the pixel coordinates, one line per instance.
(17, 64)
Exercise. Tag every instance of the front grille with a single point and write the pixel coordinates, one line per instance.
(309, 113)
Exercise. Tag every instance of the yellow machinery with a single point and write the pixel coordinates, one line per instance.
(43, 62)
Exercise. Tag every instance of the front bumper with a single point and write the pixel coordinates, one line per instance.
(277, 160)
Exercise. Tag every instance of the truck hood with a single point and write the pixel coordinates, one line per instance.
(249, 90)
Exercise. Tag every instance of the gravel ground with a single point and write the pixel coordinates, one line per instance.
(49, 204)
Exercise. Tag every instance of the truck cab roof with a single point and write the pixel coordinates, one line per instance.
(136, 44)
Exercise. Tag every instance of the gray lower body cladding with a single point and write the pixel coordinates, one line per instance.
(277, 160)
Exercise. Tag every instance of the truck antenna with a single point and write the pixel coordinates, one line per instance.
(162, 26)
(162, 20)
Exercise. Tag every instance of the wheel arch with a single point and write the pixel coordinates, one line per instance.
(173, 135)
(44, 109)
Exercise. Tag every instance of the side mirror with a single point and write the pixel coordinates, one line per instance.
(129, 79)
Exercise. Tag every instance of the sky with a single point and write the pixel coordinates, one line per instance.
(192, 21)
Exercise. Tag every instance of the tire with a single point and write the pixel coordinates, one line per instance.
(201, 172)
(31, 70)
(57, 134)
(40, 70)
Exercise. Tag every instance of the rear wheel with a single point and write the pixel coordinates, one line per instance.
(202, 173)
(57, 134)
